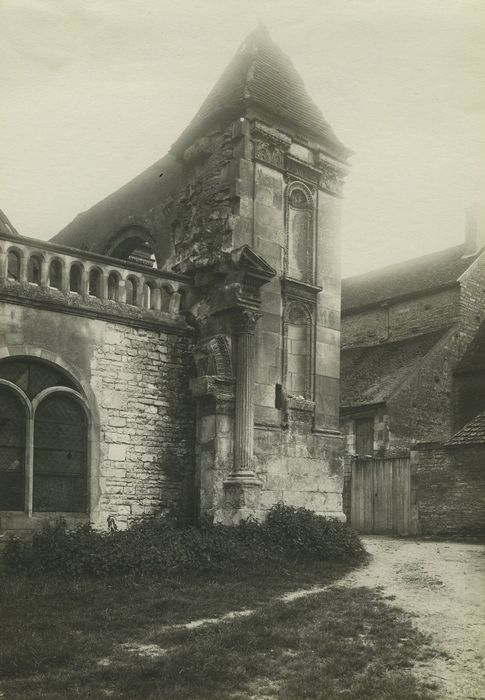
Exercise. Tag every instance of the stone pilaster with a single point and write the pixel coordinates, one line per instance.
(242, 490)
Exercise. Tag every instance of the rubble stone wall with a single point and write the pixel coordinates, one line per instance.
(449, 486)
(136, 383)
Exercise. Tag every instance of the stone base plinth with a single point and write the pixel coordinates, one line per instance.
(242, 499)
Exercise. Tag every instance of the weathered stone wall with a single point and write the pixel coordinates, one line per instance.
(401, 319)
(450, 489)
(422, 408)
(295, 462)
(469, 397)
(472, 301)
(202, 215)
(300, 467)
(136, 382)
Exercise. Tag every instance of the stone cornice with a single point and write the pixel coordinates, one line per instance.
(97, 310)
(296, 289)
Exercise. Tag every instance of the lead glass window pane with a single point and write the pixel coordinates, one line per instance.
(33, 377)
(12, 450)
(60, 455)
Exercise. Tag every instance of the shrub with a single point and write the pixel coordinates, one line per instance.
(160, 546)
(306, 535)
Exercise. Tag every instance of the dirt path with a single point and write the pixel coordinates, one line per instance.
(443, 584)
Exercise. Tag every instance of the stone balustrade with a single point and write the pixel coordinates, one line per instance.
(28, 264)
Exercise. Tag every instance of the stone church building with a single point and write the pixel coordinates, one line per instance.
(178, 343)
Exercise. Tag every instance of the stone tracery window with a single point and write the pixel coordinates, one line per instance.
(55, 274)
(13, 266)
(131, 286)
(300, 232)
(43, 439)
(95, 282)
(33, 269)
(113, 286)
(75, 278)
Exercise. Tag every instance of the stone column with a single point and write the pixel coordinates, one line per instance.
(242, 489)
(244, 327)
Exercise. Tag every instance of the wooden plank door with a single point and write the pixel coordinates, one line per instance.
(381, 496)
(401, 496)
(362, 494)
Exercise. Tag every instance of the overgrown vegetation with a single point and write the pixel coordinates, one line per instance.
(160, 546)
(78, 608)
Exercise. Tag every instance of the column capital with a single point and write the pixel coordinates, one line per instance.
(244, 321)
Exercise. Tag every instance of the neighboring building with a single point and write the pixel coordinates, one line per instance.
(448, 481)
(449, 478)
(178, 343)
(404, 330)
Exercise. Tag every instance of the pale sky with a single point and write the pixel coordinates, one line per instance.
(94, 91)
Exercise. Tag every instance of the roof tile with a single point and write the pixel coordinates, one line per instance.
(471, 434)
(370, 374)
(414, 276)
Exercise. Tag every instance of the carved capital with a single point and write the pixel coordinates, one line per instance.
(270, 153)
(270, 145)
(331, 175)
(244, 321)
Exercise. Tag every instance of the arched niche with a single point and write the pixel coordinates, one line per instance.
(298, 349)
(134, 244)
(300, 225)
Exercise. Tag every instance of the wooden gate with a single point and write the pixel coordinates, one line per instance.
(381, 496)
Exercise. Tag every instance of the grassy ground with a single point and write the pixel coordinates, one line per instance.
(345, 643)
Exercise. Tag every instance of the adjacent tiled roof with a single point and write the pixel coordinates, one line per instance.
(6, 226)
(471, 434)
(414, 276)
(370, 374)
(261, 74)
(474, 357)
(92, 229)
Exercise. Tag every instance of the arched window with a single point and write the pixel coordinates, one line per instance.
(299, 229)
(53, 475)
(13, 266)
(75, 278)
(149, 295)
(297, 343)
(95, 282)
(133, 244)
(113, 286)
(55, 274)
(33, 270)
(60, 455)
(131, 286)
(166, 296)
(12, 450)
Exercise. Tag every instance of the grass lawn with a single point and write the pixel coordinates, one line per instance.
(345, 643)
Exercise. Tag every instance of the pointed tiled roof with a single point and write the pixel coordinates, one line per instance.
(260, 74)
(410, 277)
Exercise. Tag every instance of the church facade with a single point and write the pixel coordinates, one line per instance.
(177, 345)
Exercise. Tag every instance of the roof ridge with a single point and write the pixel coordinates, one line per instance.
(385, 268)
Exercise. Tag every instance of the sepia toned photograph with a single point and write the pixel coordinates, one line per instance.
(242, 350)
